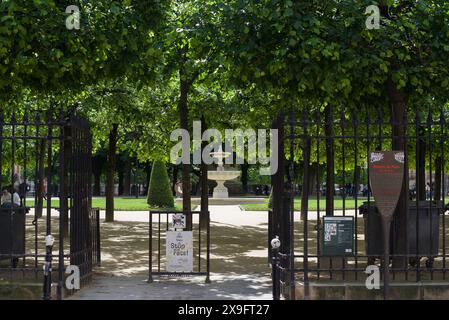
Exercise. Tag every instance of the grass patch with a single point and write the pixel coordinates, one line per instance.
(120, 204)
(140, 204)
(313, 204)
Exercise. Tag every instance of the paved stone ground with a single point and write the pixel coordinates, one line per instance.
(222, 287)
(239, 263)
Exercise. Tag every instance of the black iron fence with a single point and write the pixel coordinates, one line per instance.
(95, 234)
(327, 161)
(176, 250)
(45, 174)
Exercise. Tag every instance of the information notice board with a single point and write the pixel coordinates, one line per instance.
(179, 251)
(338, 236)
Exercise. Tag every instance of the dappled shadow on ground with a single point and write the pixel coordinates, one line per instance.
(125, 249)
(239, 266)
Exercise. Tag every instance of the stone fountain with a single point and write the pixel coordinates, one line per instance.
(221, 175)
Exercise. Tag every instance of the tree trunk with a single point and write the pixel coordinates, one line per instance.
(97, 184)
(112, 155)
(184, 119)
(127, 177)
(330, 179)
(398, 110)
(120, 179)
(244, 167)
(421, 167)
(305, 193)
(356, 181)
(67, 156)
(97, 167)
(313, 179)
(278, 180)
(204, 184)
(148, 174)
(40, 180)
(174, 179)
(2, 116)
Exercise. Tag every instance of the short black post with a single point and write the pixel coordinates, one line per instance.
(270, 235)
(49, 240)
(275, 244)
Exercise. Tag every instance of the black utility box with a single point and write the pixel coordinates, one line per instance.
(12, 231)
(373, 230)
(428, 228)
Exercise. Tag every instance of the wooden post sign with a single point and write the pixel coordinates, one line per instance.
(386, 169)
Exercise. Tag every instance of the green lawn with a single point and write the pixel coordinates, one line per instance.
(133, 204)
(313, 204)
(120, 204)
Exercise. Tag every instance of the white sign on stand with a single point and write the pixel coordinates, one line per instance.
(179, 251)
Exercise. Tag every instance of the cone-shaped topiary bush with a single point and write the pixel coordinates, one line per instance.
(159, 191)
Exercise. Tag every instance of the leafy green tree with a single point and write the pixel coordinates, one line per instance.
(323, 50)
(115, 111)
(191, 53)
(39, 52)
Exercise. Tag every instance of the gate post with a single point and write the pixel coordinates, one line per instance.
(64, 155)
(204, 219)
(304, 203)
(282, 222)
(287, 245)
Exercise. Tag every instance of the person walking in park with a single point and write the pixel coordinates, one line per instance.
(428, 192)
(15, 196)
(178, 189)
(6, 197)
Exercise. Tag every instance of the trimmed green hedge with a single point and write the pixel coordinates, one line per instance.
(159, 191)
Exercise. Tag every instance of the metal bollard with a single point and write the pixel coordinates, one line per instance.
(275, 245)
(49, 240)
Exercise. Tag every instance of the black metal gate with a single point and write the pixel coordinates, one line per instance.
(323, 172)
(160, 223)
(45, 172)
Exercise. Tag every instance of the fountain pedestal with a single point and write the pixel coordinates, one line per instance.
(220, 191)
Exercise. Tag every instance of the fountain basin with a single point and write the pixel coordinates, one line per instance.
(222, 175)
(220, 191)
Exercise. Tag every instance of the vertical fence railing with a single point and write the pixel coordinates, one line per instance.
(32, 164)
(82, 218)
(355, 134)
(95, 236)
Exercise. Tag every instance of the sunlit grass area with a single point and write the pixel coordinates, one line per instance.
(339, 204)
(120, 204)
(140, 204)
